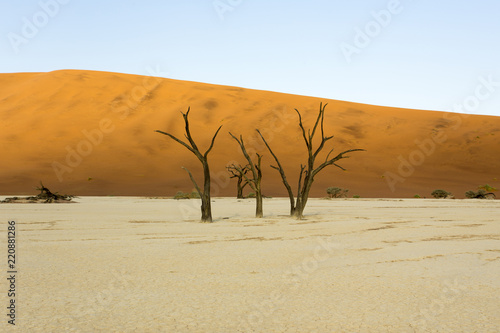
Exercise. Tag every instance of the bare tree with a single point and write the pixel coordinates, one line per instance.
(239, 172)
(206, 209)
(255, 181)
(308, 171)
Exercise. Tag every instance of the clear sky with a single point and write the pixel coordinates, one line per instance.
(422, 54)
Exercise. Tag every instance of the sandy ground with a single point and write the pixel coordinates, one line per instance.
(129, 264)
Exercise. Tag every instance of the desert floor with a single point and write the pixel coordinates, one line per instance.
(129, 264)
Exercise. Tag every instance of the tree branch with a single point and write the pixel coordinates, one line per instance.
(299, 190)
(194, 182)
(188, 133)
(213, 140)
(248, 181)
(179, 141)
(241, 171)
(303, 129)
(320, 118)
(335, 159)
(243, 149)
(321, 146)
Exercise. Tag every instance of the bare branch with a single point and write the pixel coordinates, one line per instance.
(327, 156)
(194, 182)
(320, 118)
(303, 129)
(280, 170)
(322, 144)
(241, 171)
(322, 121)
(188, 133)
(249, 181)
(245, 153)
(213, 140)
(272, 153)
(338, 166)
(299, 188)
(333, 160)
(237, 140)
(179, 141)
(231, 171)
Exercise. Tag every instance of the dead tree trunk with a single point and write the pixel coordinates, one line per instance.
(239, 172)
(309, 171)
(48, 196)
(283, 176)
(255, 181)
(206, 208)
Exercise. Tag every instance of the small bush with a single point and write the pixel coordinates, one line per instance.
(356, 196)
(440, 194)
(480, 194)
(182, 195)
(336, 192)
(416, 196)
(487, 188)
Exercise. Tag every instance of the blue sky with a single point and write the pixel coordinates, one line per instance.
(421, 54)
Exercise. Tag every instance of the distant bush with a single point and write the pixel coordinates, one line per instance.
(356, 196)
(336, 192)
(250, 195)
(487, 188)
(440, 194)
(480, 194)
(417, 196)
(182, 195)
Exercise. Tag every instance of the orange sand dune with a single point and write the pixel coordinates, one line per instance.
(92, 133)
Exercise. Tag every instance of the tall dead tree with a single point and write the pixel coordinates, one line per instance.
(239, 172)
(255, 181)
(309, 170)
(206, 208)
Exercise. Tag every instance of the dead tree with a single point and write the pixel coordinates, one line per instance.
(48, 196)
(239, 173)
(309, 170)
(206, 209)
(255, 181)
(45, 194)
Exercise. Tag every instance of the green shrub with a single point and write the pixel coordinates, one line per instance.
(336, 192)
(440, 194)
(417, 196)
(356, 196)
(480, 194)
(182, 195)
(487, 188)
